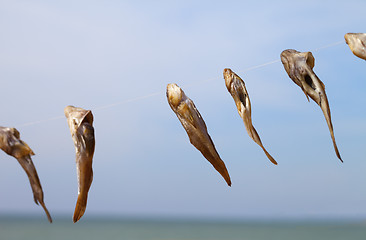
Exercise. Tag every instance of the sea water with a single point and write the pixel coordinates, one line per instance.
(99, 229)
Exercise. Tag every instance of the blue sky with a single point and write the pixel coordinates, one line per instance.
(92, 54)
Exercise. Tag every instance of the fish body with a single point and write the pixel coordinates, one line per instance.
(11, 144)
(236, 87)
(299, 66)
(195, 127)
(357, 44)
(80, 122)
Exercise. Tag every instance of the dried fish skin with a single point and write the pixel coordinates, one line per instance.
(195, 127)
(80, 122)
(11, 144)
(357, 44)
(236, 87)
(299, 67)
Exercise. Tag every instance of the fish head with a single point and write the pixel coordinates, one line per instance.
(228, 76)
(357, 43)
(287, 59)
(299, 66)
(352, 40)
(15, 146)
(349, 37)
(68, 110)
(174, 94)
(14, 132)
(295, 61)
(77, 116)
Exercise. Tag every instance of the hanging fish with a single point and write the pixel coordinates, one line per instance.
(357, 44)
(236, 87)
(299, 66)
(195, 127)
(11, 144)
(81, 127)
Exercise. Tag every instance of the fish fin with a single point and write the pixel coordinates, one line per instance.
(86, 137)
(87, 117)
(189, 113)
(306, 94)
(186, 113)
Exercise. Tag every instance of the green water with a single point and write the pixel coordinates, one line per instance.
(29, 229)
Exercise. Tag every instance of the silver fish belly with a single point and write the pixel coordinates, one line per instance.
(299, 66)
(236, 87)
(11, 144)
(195, 127)
(80, 122)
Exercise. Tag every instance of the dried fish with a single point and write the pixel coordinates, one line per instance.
(11, 143)
(299, 66)
(236, 87)
(81, 127)
(195, 127)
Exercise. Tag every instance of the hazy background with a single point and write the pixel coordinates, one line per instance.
(94, 53)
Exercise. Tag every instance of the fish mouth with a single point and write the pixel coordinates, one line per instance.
(285, 58)
(174, 94)
(68, 109)
(227, 71)
(228, 76)
(350, 38)
(285, 55)
(347, 38)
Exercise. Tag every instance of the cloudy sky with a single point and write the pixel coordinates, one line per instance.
(116, 58)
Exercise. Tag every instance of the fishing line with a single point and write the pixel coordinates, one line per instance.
(162, 92)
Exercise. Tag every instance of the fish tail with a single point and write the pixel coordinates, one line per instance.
(223, 172)
(269, 156)
(46, 211)
(326, 112)
(219, 165)
(255, 136)
(335, 147)
(227, 179)
(330, 126)
(80, 207)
